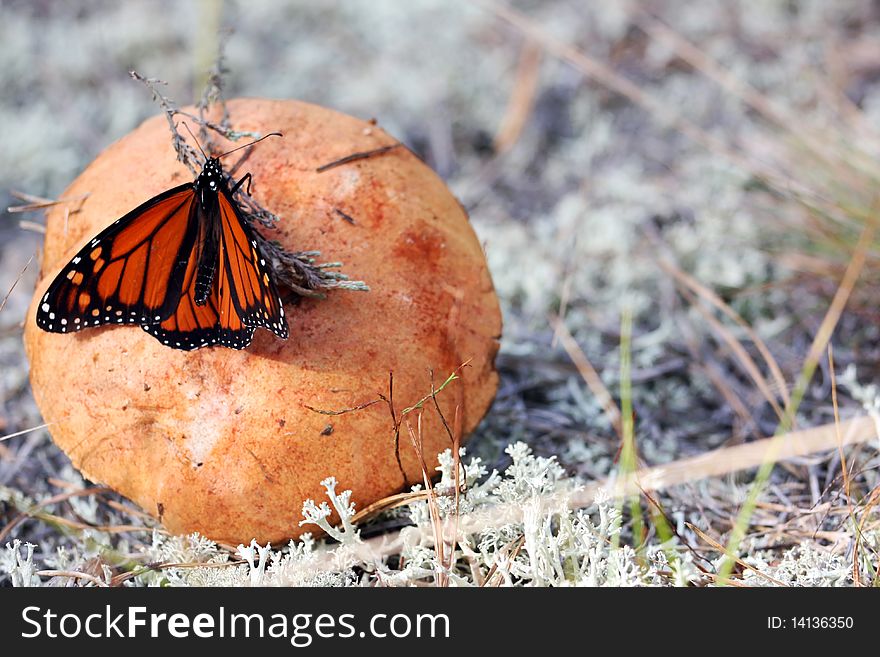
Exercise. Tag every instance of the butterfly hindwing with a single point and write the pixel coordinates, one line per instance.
(213, 323)
(129, 273)
(193, 326)
(245, 271)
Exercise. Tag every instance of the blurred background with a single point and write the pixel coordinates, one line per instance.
(664, 161)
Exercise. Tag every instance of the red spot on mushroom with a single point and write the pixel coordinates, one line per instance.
(422, 245)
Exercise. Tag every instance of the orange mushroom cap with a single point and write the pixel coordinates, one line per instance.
(224, 442)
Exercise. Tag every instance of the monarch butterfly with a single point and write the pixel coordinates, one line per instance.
(185, 266)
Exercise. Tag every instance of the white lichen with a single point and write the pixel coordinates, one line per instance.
(17, 561)
(314, 514)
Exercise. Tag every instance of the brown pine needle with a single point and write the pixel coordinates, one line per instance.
(781, 118)
(844, 472)
(713, 299)
(841, 296)
(354, 157)
(589, 374)
(386, 504)
(32, 226)
(736, 458)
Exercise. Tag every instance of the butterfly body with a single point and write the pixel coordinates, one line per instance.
(185, 266)
(206, 187)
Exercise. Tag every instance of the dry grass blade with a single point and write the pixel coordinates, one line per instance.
(15, 282)
(26, 431)
(820, 342)
(589, 374)
(867, 510)
(456, 468)
(781, 119)
(117, 580)
(670, 527)
(128, 510)
(55, 499)
(403, 499)
(716, 545)
(745, 360)
(838, 303)
(511, 550)
(716, 463)
(736, 458)
(105, 529)
(73, 575)
(34, 203)
(522, 98)
(32, 226)
(601, 73)
(354, 157)
(714, 372)
(729, 582)
(343, 411)
(436, 523)
(386, 504)
(709, 296)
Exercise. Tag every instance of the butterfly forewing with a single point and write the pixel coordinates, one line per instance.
(131, 273)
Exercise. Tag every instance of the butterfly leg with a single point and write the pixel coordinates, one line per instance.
(245, 177)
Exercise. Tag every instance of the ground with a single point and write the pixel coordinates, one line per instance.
(636, 169)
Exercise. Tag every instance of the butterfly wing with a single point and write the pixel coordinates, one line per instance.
(131, 273)
(143, 269)
(244, 273)
(216, 322)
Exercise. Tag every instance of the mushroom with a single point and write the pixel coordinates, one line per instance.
(228, 443)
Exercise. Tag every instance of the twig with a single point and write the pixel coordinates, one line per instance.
(522, 97)
(343, 411)
(354, 157)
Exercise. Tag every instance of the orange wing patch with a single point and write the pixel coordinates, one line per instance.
(130, 273)
(253, 292)
(214, 323)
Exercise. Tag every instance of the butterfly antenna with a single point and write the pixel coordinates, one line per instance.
(195, 140)
(256, 141)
